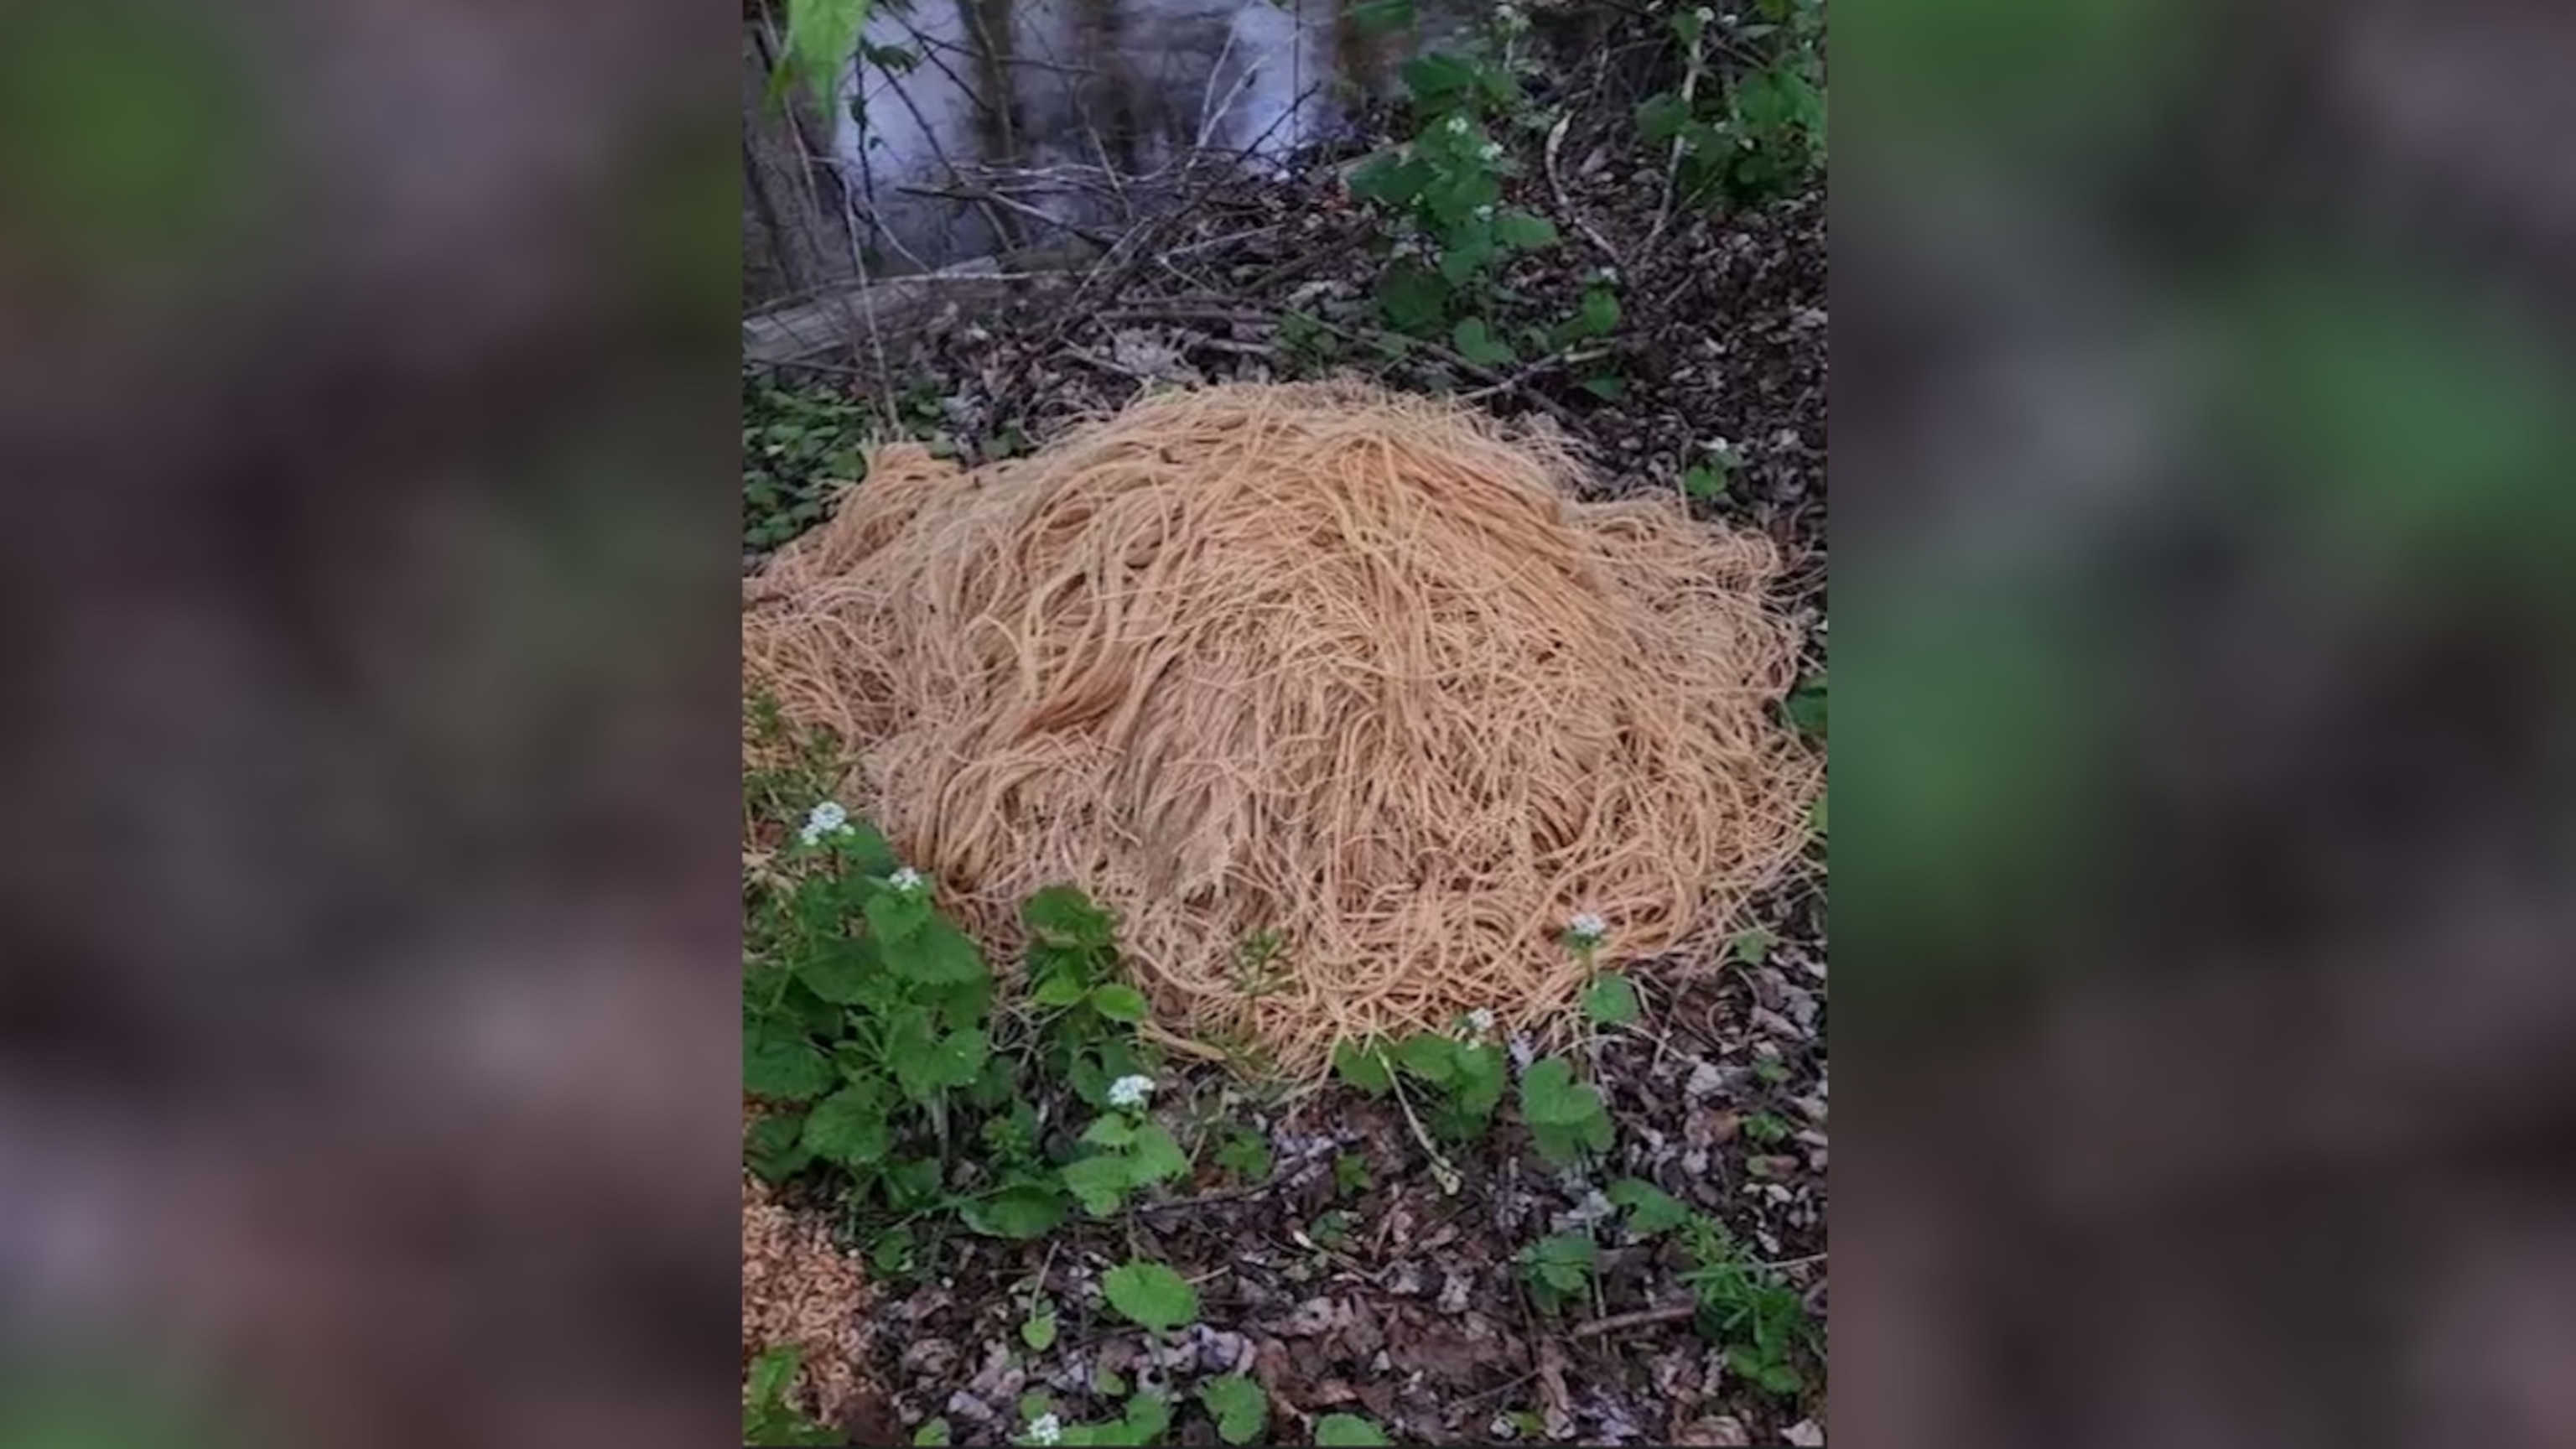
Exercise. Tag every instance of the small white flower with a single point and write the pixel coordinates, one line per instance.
(1705, 14)
(1588, 928)
(1130, 1092)
(1458, 125)
(1490, 151)
(828, 818)
(1046, 1429)
(1484, 213)
(1482, 1020)
(906, 881)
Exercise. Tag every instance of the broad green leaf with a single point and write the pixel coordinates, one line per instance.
(1524, 230)
(1415, 300)
(1238, 1405)
(1019, 1212)
(1428, 1055)
(1610, 1000)
(773, 1371)
(1155, 1156)
(1661, 117)
(1149, 1414)
(1454, 197)
(842, 970)
(1119, 1002)
(1476, 343)
(1065, 915)
(1564, 1261)
(849, 1127)
(1466, 255)
(1389, 180)
(913, 1183)
(783, 1068)
(1609, 387)
(1099, 1182)
(1348, 1429)
(1364, 1065)
(1245, 1154)
(1039, 1332)
(1704, 482)
(1438, 77)
(1550, 1094)
(1478, 1078)
(1651, 1210)
(1377, 17)
(1110, 1132)
(936, 954)
(1057, 991)
(935, 1432)
(927, 1065)
(895, 916)
(775, 1146)
(1151, 1295)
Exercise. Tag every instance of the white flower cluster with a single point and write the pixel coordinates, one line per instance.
(1490, 151)
(1482, 1020)
(1588, 929)
(1130, 1092)
(827, 818)
(906, 882)
(1046, 1429)
(1458, 125)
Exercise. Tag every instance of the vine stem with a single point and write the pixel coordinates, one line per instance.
(1441, 1169)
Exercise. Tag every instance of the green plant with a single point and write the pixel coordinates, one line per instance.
(799, 443)
(1767, 1129)
(874, 1050)
(1806, 706)
(933, 1432)
(1463, 1080)
(1444, 191)
(1038, 1330)
(1351, 1174)
(1151, 1295)
(1239, 1407)
(1707, 482)
(766, 1416)
(1651, 1210)
(1348, 1429)
(1759, 136)
(1610, 1000)
(1245, 1154)
(1566, 1119)
(1147, 1416)
(1131, 1154)
(1747, 1307)
(1751, 947)
(1559, 1269)
(1331, 1230)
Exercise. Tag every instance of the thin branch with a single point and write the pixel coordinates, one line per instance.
(1642, 1318)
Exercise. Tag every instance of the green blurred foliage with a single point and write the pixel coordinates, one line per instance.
(129, 133)
(2405, 426)
(1974, 760)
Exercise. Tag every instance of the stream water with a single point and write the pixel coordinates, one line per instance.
(1043, 99)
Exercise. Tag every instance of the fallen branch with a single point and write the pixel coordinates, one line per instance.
(1642, 1318)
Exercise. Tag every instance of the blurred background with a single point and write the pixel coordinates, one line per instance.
(2204, 642)
(367, 397)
